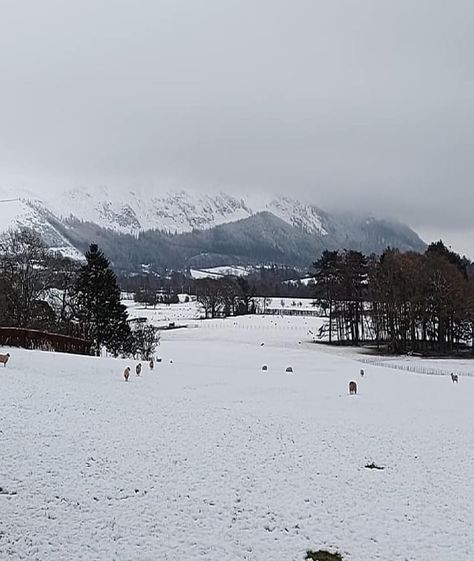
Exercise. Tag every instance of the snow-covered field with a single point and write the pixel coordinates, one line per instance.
(434, 366)
(191, 310)
(287, 305)
(186, 312)
(219, 272)
(162, 314)
(210, 458)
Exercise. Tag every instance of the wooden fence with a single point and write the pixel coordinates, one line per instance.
(42, 340)
(291, 311)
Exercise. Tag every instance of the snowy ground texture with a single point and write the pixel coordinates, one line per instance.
(210, 458)
(186, 312)
(181, 314)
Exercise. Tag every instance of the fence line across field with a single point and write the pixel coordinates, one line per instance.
(404, 367)
(415, 368)
(207, 325)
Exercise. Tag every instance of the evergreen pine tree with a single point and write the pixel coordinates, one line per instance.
(102, 317)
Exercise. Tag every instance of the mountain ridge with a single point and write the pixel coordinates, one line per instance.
(184, 226)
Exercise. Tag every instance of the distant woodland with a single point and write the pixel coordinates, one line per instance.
(403, 302)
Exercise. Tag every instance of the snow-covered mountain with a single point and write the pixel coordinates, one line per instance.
(133, 212)
(23, 212)
(176, 212)
(304, 216)
(69, 220)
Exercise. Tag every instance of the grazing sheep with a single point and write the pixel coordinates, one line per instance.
(289, 369)
(159, 359)
(262, 344)
(264, 367)
(4, 359)
(352, 388)
(171, 362)
(126, 373)
(138, 369)
(454, 378)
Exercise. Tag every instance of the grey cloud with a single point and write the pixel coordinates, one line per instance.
(351, 105)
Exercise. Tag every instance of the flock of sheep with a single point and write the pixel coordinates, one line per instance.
(4, 358)
(138, 368)
(289, 370)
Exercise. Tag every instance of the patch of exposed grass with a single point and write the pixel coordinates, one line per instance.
(323, 555)
(374, 466)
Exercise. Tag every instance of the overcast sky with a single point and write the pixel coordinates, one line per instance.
(359, 105)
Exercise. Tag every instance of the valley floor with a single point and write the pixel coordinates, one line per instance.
(210, 458)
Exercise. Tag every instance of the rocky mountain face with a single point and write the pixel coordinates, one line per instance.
(182, 229)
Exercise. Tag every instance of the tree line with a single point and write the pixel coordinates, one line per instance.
(226, 296)
(41, 289)
(273, 281)
(406, 302)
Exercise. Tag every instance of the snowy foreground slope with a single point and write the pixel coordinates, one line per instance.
(210, 458)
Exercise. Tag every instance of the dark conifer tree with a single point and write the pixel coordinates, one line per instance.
(328, 281)
(438, 248)
(102, 317)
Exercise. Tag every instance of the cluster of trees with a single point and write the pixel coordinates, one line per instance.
(40, 289)
(148, 282)
(35, 284)
(274, 281)
(150, 297)
(410, 302)
(280, 282)
(226, 296)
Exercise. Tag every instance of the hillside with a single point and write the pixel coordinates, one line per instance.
(208, 458)
(182, 229)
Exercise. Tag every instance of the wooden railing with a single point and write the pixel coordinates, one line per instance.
(42, 340)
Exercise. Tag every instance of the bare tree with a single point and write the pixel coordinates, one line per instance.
(23, 258)
(62, 277)
(143, 341)
(209, 296)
